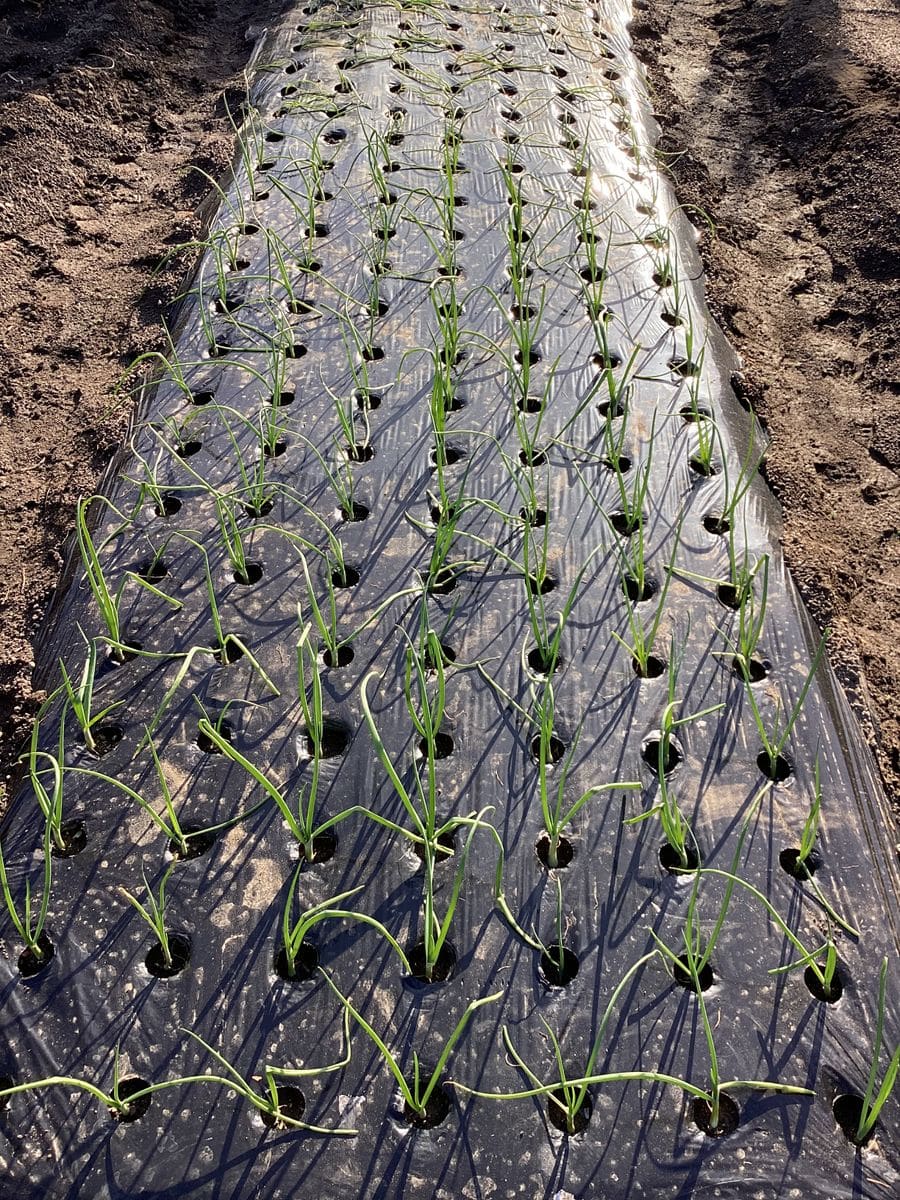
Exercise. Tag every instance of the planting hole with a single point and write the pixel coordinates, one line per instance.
(74, 839)
(530, 404)
(690, 413)
(556, 748)
(559, 969)
(754, 669)
(654, 667)
(31, 963)
(717, 526)
(444, 850)
(448, 654)
(306, 963)
(815, 987)
(291, 1104)
(200, 398)
(729, 1116)
(134, 1109)
(347, 578)
(443, 746)
(179, 951)
(443, 582)
(701, 467)
(343, 657)
(565, 852)
(536, 517)
(777, 769)
(255, 511)
(637, 592)
(373, 353)
(151, 570)
(559, 1116)
(729, 596)
(681, 973)
(127, 653)
(197, 842)
(251, 574)
(452, 454)
(282, 399)
(606, 362)
(620, 465)
(671, 862)
(324, 848)
(205, 742)
(671, 319)
(106, 738)
(356, 512)
(227, 652)
(625, 524)
(533, 457)
(189, 449)
(297, 349)
(443, 967)
(650, 754)
(684, 367)
(534, 356)
(366, 400)
(168, 506)
(611, 409)
(277, 450)
(543, 662)
(790, 862)
(360, 452)
(335, 739)
(542, 586)
(436, 1110)
(848, 1110)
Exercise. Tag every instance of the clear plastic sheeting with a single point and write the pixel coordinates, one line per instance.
(319, 282)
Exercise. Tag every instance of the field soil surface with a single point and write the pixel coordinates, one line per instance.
(106, 106)
(779, 122)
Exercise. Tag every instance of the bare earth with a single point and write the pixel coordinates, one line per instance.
(105, 106)
(780, 122)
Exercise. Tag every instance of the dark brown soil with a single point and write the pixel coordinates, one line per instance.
(780, 121)
(105, 108)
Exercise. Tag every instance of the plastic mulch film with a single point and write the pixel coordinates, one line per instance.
(446, 361)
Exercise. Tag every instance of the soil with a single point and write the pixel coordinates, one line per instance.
(106, 106)
(779, 121)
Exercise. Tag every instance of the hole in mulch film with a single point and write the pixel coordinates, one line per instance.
(753, 669)
(611, 408)
(778, 769)
(791, 863)
(729, 1116)
(74, 839)
(188, 449)
(106, 738)
(444, 582)
(342, 657)
(333, 136)
(716, 525)
(815, 986)
(673, 755)
(654, 667)
(529, 404)
(700, 466)
(556, 748)
(277, 450)
(729, 596)
(443, 851)
(534, 457)
(606, 362)
(443, 746)
(252, 573)
(441, 970)
(179, 953)
(200, 398)
(565, 852)
(681, 973)
(558, 969)
(559, 1117)
(282, 399)
(436, 1110)
(367, 400)
(305, 964)
(625, 524)
(848, 1111)
(543, 662)
(151, 570)
(622, 464)
(227, 653)
(335, 739)
(291, 1104)
(685, 367)
(663, 279)
(637, 591)
(670, 318)
(346, 578)
(197, 842)
(31, 963)
(324, 848)
(256, 511)
(672, 862)
(135, 1109)
(360, 452)
(448, 655)
(354, 513)
(295, 350)
(225, 730)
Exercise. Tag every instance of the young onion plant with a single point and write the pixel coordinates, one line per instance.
(30, 921)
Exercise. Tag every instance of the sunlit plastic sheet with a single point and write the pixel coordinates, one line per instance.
(200, 1141)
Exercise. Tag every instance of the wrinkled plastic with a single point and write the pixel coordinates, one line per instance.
(201, 1141)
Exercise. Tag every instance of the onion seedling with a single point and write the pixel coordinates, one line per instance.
(154, 911)
(418, 1090)
(29, 923)
(107, 600)
(49, 802)
(294, 933)
(557, 813)
(873, 1102)
(632, 574)
(770, 760)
